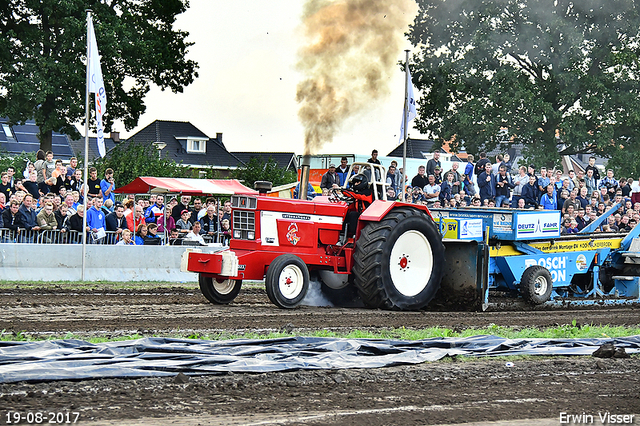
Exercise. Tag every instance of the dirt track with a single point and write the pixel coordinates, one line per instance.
(443, 392)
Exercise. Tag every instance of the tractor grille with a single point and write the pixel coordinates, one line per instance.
(243, 202)
(244, 225)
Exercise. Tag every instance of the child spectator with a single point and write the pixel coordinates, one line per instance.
(183, 225)
(126, 239)
(49, 164)
(174, 237)
(165, 222)
(226, 231)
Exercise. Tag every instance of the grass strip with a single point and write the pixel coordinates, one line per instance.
(572, 330)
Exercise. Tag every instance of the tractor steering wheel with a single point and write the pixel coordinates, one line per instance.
(338, 195)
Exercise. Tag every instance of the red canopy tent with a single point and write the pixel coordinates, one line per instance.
(156, 185)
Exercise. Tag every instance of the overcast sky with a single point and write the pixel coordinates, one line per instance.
(247, 52)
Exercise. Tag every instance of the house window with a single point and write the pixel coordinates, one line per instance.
(196, 146)
(7, 130)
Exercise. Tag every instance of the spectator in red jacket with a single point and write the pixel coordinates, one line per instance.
(135, 219)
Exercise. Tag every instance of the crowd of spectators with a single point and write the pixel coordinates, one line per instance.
(47, 206)
(580, 196)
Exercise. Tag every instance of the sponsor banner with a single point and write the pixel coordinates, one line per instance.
(450, 227)
(562, 266)
(503, 223)
(538, 225)
(470, 228)
(586, 244)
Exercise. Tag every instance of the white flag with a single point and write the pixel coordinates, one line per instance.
(412, 105)
(96, 85)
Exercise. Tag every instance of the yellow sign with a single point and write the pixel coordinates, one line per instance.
(559, 246)
(451, 227)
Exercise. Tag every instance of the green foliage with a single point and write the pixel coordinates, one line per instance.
(256, 170)
(42, 59)
(18, 162)
(560, 77)
(131, 160)
(625, 161)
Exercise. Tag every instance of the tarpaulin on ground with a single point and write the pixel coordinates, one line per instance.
(75, 359)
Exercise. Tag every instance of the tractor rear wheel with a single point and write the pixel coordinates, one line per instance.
(287, 281)
(218, 291)
(399, 261)
(536, 284)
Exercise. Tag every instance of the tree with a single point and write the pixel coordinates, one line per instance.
(43, 59)
(256, 170)
(130, 160)
(559, 76)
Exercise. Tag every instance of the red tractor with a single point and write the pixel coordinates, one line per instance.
(392, 252)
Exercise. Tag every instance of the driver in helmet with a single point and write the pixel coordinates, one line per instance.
(360, 184)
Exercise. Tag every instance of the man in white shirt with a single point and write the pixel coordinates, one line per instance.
(194, 234)
(431, 190)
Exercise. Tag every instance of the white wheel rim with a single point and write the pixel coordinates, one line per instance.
(540, 286)
(291, 281)
(224, 287)
(411, 263)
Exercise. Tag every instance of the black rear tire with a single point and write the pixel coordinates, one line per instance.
(536, 284)
(220, 292)
(287, 281)
(399, 261)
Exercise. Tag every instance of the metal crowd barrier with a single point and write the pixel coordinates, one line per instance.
(23, 236)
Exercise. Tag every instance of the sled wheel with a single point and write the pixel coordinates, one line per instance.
(287, 281)
(399, 261)
(219, 291)
(536, 284)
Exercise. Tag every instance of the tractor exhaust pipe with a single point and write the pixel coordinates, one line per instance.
(304, 177)
(263, 187)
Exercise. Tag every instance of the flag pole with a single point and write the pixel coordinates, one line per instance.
(406, 125)
(86, 150)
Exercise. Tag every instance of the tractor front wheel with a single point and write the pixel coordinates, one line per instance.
(287, 281)
(219, 291)
(399, 261)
